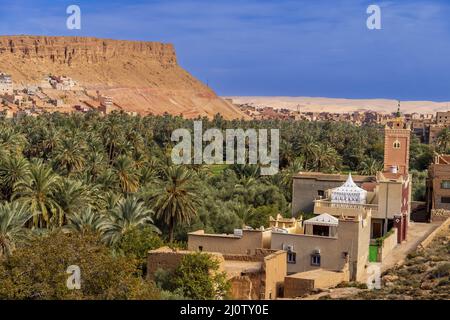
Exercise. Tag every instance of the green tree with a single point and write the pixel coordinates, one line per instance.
(12, 170)
(198, 277)
(13, 217)
(130, 213)
(126, 173)
(86, 221)
(37, 191)
(443, 141)
(138, 242)
(370, 167)
(175, 198)
(37, 271)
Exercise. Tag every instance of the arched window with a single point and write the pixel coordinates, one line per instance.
(396, 144)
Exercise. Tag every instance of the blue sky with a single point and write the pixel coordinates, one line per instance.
(274, 47)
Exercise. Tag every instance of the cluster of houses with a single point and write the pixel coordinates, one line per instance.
(426, 127)
(18, 100)
(356, 220)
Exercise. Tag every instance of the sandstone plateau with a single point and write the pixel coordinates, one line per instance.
(139, 76)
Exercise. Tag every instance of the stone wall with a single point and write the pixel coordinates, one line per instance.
(302, 283)
(440, 214)
(426, 242)
(168, 259)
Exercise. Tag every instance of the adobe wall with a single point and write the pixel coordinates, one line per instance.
(275, 266)
(227, 244)
(303, 283)
(392, 193)
(168, 260)
(242, 288)
(389, 243)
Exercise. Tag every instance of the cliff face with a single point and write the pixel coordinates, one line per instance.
(140, 76)
(69, 50)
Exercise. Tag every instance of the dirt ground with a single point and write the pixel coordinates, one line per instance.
(408, 272)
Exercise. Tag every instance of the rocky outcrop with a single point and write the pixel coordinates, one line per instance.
(68, 50)
(140, 76)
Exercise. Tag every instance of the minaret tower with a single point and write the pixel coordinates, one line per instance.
(397, 137)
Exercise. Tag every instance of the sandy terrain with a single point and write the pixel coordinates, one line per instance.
(310, 104)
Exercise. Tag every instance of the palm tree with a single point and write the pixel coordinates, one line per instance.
(85, 221)
(245, 184)
(71, 197)
(175, 198)
(308, 149)
(326, 158)
(126, 173)
(37, 191)
(295, 167)
(370, 167)
(13, 217)
(130, 213)
(69, 154)
(245, 213)
(11, 142)
(12, 169)
(443, 140)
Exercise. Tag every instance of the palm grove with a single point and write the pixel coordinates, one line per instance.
(108, 183)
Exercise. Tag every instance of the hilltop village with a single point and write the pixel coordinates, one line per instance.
(55, 93)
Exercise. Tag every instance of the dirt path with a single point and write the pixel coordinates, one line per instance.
(417, 232)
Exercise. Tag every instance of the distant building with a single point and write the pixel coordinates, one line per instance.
(438, 183)
(443, 118)
(63, 83)
(6, 84)
(106, 103)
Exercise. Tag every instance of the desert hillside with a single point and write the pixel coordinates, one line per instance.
(312, 104)
(139, 76)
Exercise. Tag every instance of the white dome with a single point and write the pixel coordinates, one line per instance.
(349, 192)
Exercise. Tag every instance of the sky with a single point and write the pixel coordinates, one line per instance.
(319, 48)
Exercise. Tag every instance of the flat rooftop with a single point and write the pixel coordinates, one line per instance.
(333, 177)
(236, 267)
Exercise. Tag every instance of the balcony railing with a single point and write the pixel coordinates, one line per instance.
(347, 207)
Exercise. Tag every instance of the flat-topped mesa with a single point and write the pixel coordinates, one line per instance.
(71, 50)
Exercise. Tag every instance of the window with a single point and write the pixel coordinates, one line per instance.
(445, 200)
(291, 257)
(445, 184)
(320, 193)
(315, 260)
(323, 231)
(200, 248)
(396, 144)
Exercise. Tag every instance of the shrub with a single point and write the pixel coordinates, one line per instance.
(38, 271)
(198, 277)
(441, 271)
(137, 243)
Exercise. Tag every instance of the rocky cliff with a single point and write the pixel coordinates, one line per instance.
(140, 76)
